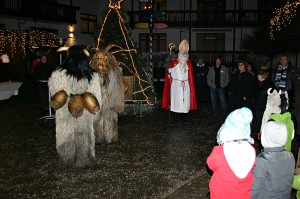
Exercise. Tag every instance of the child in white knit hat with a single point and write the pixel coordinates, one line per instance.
(233, 160)
(275, 167)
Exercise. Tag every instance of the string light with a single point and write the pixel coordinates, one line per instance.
(16, 39)
(116, 7)
(283, 17)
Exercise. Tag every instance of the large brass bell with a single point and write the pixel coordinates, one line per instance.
(76, 105)
(58, 100)
(90, 102)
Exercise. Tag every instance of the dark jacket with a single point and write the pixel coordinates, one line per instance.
(273, 174)
(241, 85)
(200, 74)
(42, 71)
(295, 77)
(261, 94)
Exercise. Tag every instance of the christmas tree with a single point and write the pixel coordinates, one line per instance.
(114, 30)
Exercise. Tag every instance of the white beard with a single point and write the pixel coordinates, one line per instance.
(183, 62)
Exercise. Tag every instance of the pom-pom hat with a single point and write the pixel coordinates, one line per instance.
(236, 127)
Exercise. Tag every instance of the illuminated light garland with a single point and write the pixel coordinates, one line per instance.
(116, 7)
(14, 39)
(283, 17)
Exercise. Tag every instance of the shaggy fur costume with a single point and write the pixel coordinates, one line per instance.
(113, 95)
(75, 140)
(274, 105)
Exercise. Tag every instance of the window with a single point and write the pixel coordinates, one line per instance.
(211, 5)
(159, 42)
(211, 10)
(210, 41)
(270, 4)
(88, 23)
(157, 5)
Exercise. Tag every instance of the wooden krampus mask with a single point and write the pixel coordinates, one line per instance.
(103, 60)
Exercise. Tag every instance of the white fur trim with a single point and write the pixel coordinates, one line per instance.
(240, 157)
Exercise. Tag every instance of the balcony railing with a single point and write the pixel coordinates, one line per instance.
(196, 18)
(39, 10)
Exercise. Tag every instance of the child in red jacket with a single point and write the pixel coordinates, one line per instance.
(234, 159)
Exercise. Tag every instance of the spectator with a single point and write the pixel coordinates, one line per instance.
(233, 160)
(281, 77)
(281, 74)
(261, 96)
(296, 80)
(250, 69)
(217, 80)
(35, 62)
(242, 88)
(41, 75)
(264, 67)
(274, 170)
(200, 74)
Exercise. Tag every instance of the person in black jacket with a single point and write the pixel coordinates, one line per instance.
(242, 87)
(261, 96)
(296, 81)
(41, 75)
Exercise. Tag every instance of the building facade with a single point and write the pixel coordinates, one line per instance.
(212, 27)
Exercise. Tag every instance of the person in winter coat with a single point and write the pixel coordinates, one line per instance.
(217, 80)
(282, 78)
(242, 88)
(296, 80)
(200, 76)
(261, 96)
(274, 170)
(234, 159)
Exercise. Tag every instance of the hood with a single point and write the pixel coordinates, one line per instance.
(284, 118)
(240, 157)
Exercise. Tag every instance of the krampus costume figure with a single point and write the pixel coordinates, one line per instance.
(277, 110)
(113, 95)
(76, 97)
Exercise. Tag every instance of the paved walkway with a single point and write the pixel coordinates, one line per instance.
(195, 188)
(150, 159)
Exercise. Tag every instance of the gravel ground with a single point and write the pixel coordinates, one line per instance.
(150, 160)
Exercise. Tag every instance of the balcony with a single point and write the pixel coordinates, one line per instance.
(181, 18)
(39, 10)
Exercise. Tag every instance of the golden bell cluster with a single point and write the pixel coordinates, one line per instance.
(77, 103)
(58, 100)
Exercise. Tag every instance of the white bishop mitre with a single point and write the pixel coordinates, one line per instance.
(184, 46)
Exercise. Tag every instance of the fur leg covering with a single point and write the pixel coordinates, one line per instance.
(107, 129)
(113, 103)
(85, 142)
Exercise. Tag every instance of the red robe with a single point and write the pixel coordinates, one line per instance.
(168, 81)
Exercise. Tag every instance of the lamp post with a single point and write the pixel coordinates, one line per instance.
(60, 54)
(151, 26)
